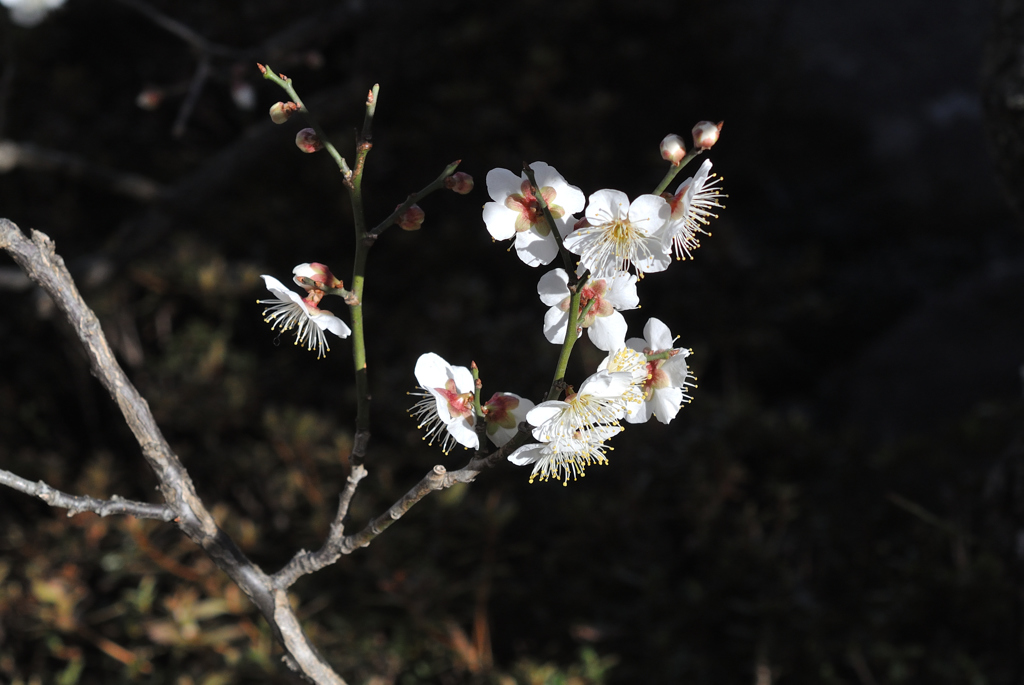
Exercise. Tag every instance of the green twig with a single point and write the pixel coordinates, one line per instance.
(674, 169)
(436, 184)
(286, 84)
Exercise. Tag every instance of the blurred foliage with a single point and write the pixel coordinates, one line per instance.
(765, 531)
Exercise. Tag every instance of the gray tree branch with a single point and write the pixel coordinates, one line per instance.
(76, 504)
(38, 258)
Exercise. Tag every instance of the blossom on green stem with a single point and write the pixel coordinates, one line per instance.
(619, 234)
(287, 310)
(516, 213)
(445, 407)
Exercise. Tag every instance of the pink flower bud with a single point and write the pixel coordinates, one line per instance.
(308, 141)
(411, 219)
(149, 98)
(281, 112)
(673, 149)
(316, 272)
(705, 134)
(460, 182)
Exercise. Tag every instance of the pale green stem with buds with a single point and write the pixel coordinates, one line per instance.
(436, 184)
(674, 169)
(286, 84)
(347, 295)
(363, 244)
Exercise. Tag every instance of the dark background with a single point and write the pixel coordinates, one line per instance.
(840, 503)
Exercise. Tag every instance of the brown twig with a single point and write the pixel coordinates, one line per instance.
(76, 504)
(338, 543)
(38, 258)
(29, 156)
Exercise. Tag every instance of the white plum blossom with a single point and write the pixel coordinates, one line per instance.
(567, 456)
(618, 234)
(691, 208)
(446, 407)
(28, 13)
(628, 360)
(606, 297)
(515, 212)
(668, 378)
(599, 401)
(287, 310)
(503, 413)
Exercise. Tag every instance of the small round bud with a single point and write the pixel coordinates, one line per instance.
(411, 219)
(308, 141)
(281, 112)
(460, 182)
(705, 134)
(318, 273)
(243, 95)
(673, 149)
(149, 98)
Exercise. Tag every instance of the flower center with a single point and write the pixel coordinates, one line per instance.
(459, 404)
(656, 378)
(593, 291)
(498, 411)
(530, 214)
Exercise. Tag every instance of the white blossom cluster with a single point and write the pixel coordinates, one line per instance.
(617, 241)
(640, 377)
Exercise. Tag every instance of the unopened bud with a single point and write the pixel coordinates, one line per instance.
(281, 112)
(673, 149)
(460, 182)
(316, 272)
(411, 219)
(705, 134)
(243, 95)
(308, 140)
(149, 98)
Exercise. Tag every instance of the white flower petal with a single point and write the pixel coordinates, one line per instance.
(545, 411)
(527, 454)
(607, 332)
(463, 433)
(500, 221)
(605, 203)
(501, 183)
(553, 287)
(665, 403)
(658, 335)
(621, 292)
(535, 249)
(555, 324)
(431, 371)
(329, 322)
(568, 197)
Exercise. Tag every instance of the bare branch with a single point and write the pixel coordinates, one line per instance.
(187, 34)
(30, 156)
(43, 265)
(76, 504)
(337, 543)
(194, 89)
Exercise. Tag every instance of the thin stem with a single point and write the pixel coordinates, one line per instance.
(286, 83)
(347, 295)
(674, 169)
(371, 109)
(436, 184)
(568, 259)
(75, 504)
(558, 382)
